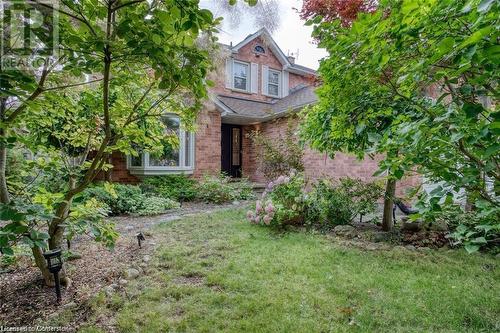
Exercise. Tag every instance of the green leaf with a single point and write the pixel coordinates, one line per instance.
(476, 36)
(472, 110)
(446, 45)
(374, 137)
(156, 39)
(479, 240)
(471, 248)
(7, 251)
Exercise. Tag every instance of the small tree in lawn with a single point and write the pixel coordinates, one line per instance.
(380, 70)
(146, 57)
(353, 113)
(354, 121)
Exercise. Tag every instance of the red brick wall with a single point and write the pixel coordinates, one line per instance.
(207, 143)
(246, 54)
(120, 173)
(316, 165)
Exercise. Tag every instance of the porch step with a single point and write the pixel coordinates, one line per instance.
(258, 187)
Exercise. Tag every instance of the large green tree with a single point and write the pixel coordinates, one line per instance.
(145, 58)
(417, 81)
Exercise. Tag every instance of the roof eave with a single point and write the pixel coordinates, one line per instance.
(275, 48)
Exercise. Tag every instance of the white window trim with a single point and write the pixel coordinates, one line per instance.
(269, 71)
(147, 170)
(248, 78)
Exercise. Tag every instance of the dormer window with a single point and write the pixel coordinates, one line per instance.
(273, 83)
(259, 49)
(240, 75)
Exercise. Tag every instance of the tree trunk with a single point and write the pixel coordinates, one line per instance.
(390, 192)
(56, 235)
(108, 174)
(41, 263)
(4, 191)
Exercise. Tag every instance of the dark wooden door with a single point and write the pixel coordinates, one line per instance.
(231, 150)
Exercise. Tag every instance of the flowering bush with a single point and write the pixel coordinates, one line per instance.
(282, 202)
(285, 202)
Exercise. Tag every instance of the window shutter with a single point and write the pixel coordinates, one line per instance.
(229, 73)
(254, 78)
(284, 84)
(265, 77)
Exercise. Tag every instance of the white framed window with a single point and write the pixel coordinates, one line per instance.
(173, 159)
(273, 83)
(241, 76)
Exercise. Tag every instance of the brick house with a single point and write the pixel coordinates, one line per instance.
(260, 87)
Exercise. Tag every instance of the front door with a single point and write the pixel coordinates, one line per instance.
(231, 150)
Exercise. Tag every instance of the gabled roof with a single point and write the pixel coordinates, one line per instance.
(283, 59)
(258, 111)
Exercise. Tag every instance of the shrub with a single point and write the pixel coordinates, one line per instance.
(332, 203)
(176, 187)
(279, 156)
(282, 202)
(219, 189)
(215, 189)
(243, 189)
(474, 230)
(153, 205)
(120, 198)
(89, 217)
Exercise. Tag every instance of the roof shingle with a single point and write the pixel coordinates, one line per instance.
(258, 110)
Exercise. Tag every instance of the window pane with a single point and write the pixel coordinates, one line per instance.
(240, 69)
(187, 150)
(170, 154)
(240, 83)
(170, 158)
(136, 161)
(274, 77)
(273, 90)
(235, 147)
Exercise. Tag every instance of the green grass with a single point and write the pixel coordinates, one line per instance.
(217, 273)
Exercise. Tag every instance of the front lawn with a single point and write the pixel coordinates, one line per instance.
(216, 272)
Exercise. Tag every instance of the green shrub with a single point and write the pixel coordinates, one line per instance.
(221, 188)
(285, 202)
(120, 198)
(474, 230)
(176, 187)
(243, 189)
(332, 203)
(215, 189)
(282, 202)
(153, 205)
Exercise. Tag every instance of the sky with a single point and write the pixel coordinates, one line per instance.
(291, 36)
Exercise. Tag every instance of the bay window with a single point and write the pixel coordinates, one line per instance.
(172, 159)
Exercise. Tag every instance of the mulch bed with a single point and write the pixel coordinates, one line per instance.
(26, 301)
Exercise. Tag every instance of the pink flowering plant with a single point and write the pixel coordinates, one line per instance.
(282, 202)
